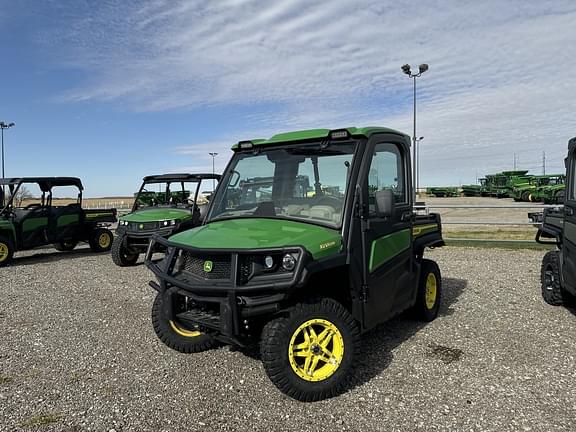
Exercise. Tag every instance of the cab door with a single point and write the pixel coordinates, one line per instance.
(388, 241)
(569, 231)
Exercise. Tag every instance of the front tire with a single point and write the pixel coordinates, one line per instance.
(309, 354)
(100, 240)
(552, 291)
(429, 293)
(121, 256)
(6, 250)
(177, 335)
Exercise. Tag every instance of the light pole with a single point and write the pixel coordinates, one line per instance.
(4, 125)
(213, 172)
(421, 69)
(417, 149)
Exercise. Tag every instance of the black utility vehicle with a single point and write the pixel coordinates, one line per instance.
(558, 273)
(29, 220)
(310, 240)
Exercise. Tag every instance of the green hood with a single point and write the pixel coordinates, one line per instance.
(258, 233)
(157, 214)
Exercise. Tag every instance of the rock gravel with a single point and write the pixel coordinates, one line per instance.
(78, 353)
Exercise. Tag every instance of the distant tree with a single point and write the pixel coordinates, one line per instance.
(21, 195)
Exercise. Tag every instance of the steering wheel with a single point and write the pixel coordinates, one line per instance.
(29, 206)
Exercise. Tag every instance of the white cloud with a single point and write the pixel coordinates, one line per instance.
(499, 79)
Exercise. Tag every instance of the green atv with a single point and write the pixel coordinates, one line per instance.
(29, 220)
(558, 274)
(302, 270)
(164, 205)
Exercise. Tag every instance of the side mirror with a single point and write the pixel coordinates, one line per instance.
(385, 202)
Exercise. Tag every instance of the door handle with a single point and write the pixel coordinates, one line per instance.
(569, 211)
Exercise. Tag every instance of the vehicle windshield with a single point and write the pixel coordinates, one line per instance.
(168, 194)
(304, 183)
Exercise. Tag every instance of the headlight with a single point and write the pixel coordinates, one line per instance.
(268, 262)
(288, 262)
(173, 222)
(166, 223)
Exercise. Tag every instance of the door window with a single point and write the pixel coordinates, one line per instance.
(386, 172)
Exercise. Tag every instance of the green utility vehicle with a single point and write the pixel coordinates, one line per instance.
(165, 204)
(31, 216)
(443, 191)
(550, 190)
(305, 272)
(558, 274)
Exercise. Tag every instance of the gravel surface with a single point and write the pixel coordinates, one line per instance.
(78, 353)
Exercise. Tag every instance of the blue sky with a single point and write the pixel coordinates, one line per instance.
(111, 91)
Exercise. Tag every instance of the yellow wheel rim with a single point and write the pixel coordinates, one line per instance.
(182, 331)
(316, 350)
(431, 290)
(3, 252)
(104, 240)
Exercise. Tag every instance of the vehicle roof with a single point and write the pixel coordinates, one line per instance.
(45, 183)
(181, 177)
(310, 134)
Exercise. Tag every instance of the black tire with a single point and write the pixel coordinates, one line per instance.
(6, 250)
(176, 335)
(121, 256)
(429, 294)
(526, 196)
(552, 291)
(100, 240)
(65, 246)
(286, 370)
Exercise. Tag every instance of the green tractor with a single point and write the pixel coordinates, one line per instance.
(303, 270)
(501, 185)
(164, 205)
(558, 273)
(31, 216)
(473, 190)
(550, 190)
(443, 191)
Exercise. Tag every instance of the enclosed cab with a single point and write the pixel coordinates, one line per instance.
(164, 205)
(325, 248)
(35, 213)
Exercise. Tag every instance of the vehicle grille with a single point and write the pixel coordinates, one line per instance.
(143, 226)
(195, 265)
(245, 268)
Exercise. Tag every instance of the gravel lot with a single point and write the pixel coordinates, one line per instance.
(78, 353)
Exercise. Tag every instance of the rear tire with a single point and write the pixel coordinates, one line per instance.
(552, 291)
(65, 246)
(121, 256)
(6, 250)
(101, 240)
(309, 354)
(429, 293)
(177, 335)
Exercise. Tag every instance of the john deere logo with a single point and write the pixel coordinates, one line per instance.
(208, 266)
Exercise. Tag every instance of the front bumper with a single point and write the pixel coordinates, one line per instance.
(228, 299)
(139, 239)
